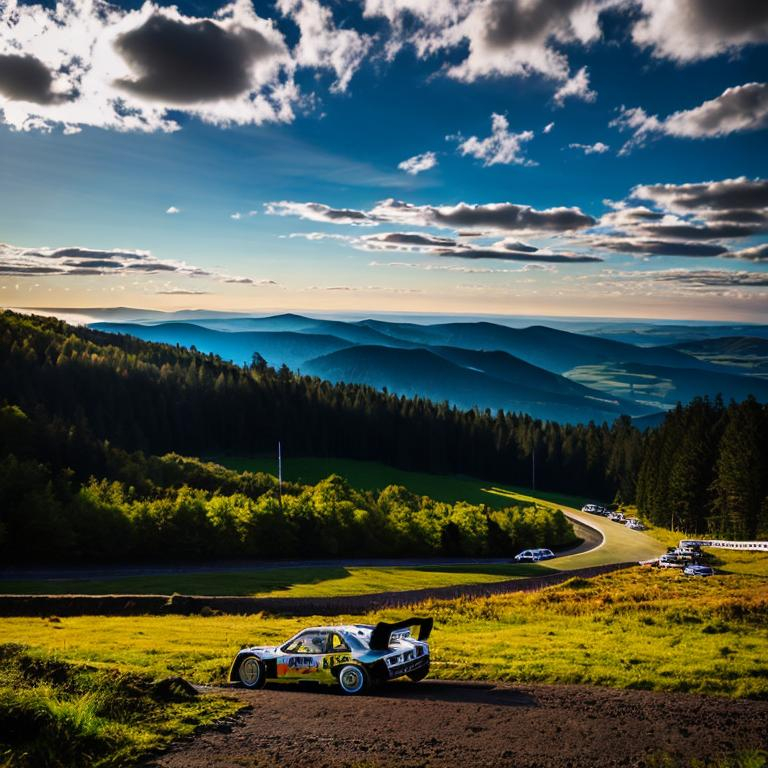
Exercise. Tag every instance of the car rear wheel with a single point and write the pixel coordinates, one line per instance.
(250, 672)
(353, 679)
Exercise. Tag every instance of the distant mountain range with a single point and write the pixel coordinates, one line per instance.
(546, 372)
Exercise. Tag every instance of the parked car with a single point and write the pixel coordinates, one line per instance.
(634, 524)
(591, 508)
(694, 569)
(616, 517)
(534, 555)
(352, 656)
(671, 561)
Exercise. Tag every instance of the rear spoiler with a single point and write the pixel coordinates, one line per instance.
(382, 632)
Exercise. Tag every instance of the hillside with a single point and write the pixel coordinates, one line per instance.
(467, 379)
(549, 348)
(748, 353)
(662, 387)
(276, 347)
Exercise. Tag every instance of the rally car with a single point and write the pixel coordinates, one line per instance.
(352, 656)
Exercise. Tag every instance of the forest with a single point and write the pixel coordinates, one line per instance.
(87, 414)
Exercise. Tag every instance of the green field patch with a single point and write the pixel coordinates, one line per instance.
(321, 581)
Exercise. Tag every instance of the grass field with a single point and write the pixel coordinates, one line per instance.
(310, 581)
(640, 628)
(371, 475)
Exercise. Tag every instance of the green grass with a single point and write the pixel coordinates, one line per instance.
(371, 475)
(61, 714)
(321, 581)
(640, 628)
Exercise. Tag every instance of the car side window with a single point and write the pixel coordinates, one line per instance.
(308, 642)
(338, 645)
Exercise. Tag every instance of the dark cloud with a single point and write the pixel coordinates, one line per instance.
(184, 63)
(518, 246)
(685, 231)
(26, 78)
(93, 263)
(411, 238)
(660, 247)
(505, 255)
(509, 21)
(510, 217)
(687, 30)
(714, 277)
(737, 194)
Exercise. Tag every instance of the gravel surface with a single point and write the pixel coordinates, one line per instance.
(438, 723)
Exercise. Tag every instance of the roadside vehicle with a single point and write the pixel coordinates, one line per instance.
(671, 561)
(352, 656)
(534, 555)
(591, 508)
(634, 524)
(616, 517)
(694, 569)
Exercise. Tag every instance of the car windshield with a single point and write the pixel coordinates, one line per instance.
(308, 642)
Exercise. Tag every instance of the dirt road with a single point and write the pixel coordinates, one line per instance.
(435, 724)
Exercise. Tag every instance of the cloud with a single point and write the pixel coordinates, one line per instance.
(696, 278)
(127, 70)
(548, 127)
(598, 148)
(26, 78)
(173, 210)
(460, 268)
(690, 30)
(237, 215)
(320, 212)
(418, 163)
(179, 61)
(249, 281)
(407, 240)
(492, 217)
(738, 109)
(755, 253)
(181, 292)
(69, 261)
(500, 148)
(651, 247)
(496, 38)
(575, 87)
(711, 197)
(322, 45)
(488, 218)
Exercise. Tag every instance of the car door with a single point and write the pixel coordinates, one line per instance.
(302, 657)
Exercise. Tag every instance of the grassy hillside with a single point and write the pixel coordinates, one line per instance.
(305, 581)
(637, 629)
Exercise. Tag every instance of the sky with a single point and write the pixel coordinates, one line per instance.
(602, 158)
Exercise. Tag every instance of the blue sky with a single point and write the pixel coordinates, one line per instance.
(138, 173)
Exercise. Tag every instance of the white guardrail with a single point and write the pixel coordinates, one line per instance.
(754, 546)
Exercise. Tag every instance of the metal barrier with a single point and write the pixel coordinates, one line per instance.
(750, 546)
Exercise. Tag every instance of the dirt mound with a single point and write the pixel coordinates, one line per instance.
(436, 724)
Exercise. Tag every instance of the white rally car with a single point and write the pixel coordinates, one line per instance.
(352, 656)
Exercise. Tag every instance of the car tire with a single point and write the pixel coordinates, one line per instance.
(250, 672)
(353, 679)
(419, 674)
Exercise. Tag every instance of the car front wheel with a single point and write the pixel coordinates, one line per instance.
(353, 679)
(250, 672)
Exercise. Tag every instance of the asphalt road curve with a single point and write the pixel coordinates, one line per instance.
(437, 724)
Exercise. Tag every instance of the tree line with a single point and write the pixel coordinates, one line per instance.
(702, 470)
(171, 507)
